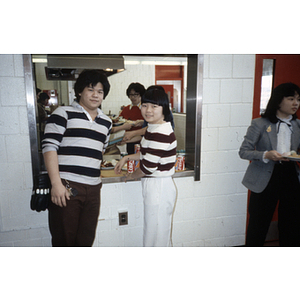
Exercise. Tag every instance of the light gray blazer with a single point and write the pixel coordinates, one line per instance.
(261, 136)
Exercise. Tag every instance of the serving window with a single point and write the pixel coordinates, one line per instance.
(180, 75)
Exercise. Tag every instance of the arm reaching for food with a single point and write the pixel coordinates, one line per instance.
(139, 123)
(131, 134)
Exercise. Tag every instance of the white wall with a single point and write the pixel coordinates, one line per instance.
(211, 212)
(19, 226)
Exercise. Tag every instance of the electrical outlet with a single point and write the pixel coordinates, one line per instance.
(123, 218)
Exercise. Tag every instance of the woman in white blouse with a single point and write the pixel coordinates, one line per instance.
(271, 177)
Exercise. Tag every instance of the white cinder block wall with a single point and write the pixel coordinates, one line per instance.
(211, 212)
(19, 226)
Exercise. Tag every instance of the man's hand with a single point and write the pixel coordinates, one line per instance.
(59, 195)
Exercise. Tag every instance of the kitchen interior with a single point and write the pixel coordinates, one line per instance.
(56, 75)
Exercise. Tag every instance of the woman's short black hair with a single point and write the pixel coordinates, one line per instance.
(139, 88)
(157, 95)
(90, 78)
(283, 90)
(43, 97)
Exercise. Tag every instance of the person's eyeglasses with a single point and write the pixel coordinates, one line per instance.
(133, 95)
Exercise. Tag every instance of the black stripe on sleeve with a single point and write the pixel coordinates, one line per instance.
(58, 120)
(52, 136)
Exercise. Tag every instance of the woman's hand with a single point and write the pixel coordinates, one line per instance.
(128, 177)
(275, 156)
(127, 126)
(138, 123)
(134, 176)
(120, 164)
(128, 136)
(59, 195)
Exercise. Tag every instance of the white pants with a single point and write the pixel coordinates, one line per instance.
(159, 199)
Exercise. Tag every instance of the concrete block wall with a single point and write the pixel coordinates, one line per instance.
(19, 226)
(211, 212)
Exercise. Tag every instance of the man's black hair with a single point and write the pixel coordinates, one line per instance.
(89, 78)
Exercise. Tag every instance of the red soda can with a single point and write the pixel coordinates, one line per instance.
(180, 163)
(130, 166)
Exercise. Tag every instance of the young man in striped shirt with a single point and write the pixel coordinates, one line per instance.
(75, 139)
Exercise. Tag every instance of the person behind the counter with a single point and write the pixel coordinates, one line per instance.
(157, 160)
(132, 112)
(75, 139)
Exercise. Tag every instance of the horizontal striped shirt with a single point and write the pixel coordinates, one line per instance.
(158, 150)
(79, 141)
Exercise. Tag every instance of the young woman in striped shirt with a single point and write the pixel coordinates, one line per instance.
(157, 159)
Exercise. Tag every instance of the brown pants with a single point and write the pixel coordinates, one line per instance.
(75, 225)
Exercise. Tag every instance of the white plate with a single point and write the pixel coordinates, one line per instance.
(107, 168)
(113, 162)
(292, 158)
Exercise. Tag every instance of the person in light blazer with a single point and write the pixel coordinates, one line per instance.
(270, 176)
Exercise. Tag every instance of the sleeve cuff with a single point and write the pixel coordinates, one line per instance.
(265, 160)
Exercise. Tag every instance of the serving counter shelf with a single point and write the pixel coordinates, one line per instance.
(109, 176)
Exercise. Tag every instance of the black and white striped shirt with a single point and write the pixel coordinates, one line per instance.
(79, 141)
(158, 150)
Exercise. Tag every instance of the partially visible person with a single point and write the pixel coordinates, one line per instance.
(42, 102)
(37, 92)
(42, 113)
(157, 160)
(132, 112)
(75, 140)
(271, 176)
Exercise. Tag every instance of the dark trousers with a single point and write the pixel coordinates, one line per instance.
(283, 187)
(75, 224)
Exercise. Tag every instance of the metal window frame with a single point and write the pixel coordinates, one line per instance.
(31, 112)
(193, 113)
